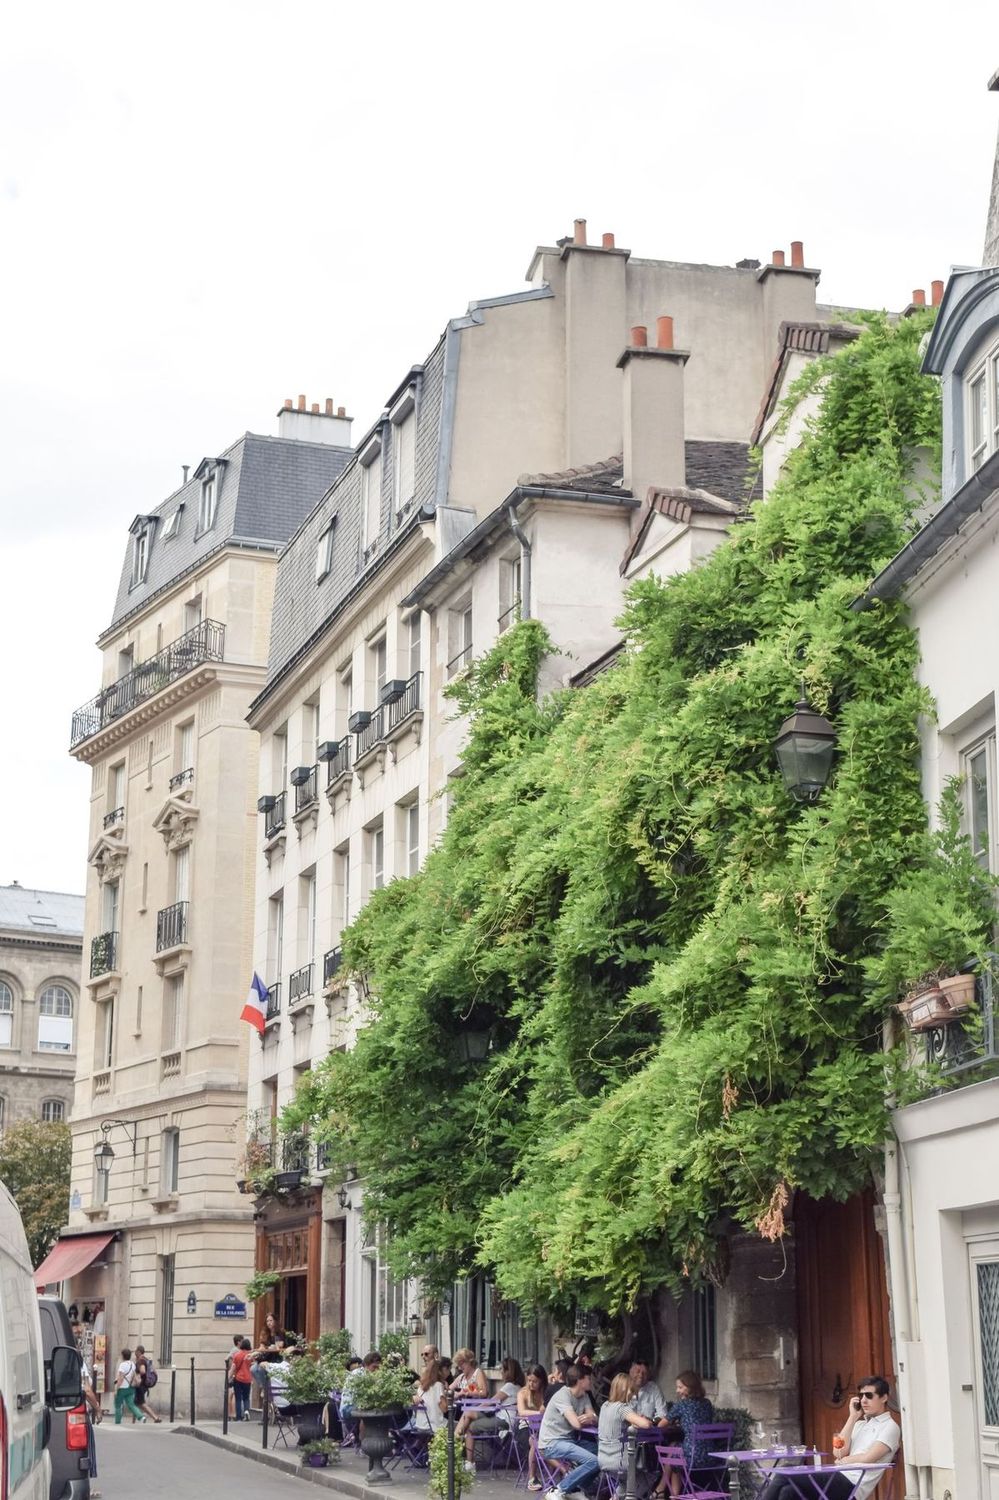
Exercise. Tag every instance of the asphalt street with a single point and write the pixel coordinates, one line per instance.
(145, 1463)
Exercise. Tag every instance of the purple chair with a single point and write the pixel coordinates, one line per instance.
(672, 1456)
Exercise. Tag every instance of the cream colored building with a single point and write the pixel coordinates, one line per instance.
(555, 444)
(41, 933)
(156, 1241)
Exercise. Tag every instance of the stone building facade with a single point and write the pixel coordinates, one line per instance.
(41, 940)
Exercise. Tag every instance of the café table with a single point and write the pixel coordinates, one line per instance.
(809, 1481)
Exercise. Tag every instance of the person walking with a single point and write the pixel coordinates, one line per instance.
(147, 1379)
(242, 1380)
(124, 1394)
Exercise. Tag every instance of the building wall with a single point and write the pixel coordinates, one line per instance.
(30, 1075)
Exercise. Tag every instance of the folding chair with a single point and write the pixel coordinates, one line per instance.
(413, 1444)
(282, 1413)
(672, 1456)
(549, 1471)
(708, 1437)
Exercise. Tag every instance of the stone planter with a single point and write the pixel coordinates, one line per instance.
(285, 1181)
(377, 1441)
(309, 1422)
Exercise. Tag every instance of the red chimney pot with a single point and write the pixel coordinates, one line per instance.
(936, 290)
(288, 403)
(608, 242)
(341, 411)
(639, 336)
(329, 406)
(919, 297)
(315, 408)
(301, 403)
(579, 232)
(798, 255)
(777, 258)
(664, 333)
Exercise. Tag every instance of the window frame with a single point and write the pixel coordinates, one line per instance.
(140, 555)
(7, 1010)
(983, 743)
(403, 457)
(170, 1161)
(208, 502)
(371, 495)
(171, 524)
(984, 373)
(55, 1015)
(324, 552)
(58, 1118)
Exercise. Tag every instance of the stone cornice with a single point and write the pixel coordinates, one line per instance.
(188, 686)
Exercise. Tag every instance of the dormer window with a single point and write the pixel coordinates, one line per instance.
(324, 553)
(142, 536)
(172, 524)
(403, 419)
(371, 495)
(983, 409)
(207, 503)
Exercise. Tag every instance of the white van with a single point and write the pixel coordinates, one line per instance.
(24, 1418)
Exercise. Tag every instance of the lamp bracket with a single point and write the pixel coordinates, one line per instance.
(130, 1127)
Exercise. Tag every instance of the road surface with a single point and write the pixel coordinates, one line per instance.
(153, 1463)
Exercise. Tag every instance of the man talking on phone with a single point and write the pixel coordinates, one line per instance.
(870, 1435)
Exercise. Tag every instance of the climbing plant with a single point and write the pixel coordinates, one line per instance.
(668, 952)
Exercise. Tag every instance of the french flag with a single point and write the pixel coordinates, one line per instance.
(255, 1009)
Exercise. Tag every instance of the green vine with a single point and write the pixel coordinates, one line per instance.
(672, 957)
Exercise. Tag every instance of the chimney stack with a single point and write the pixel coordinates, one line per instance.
(313, 423)
(639, 336)
(664, 333)
(936, 292)
(919, 297)
(777, 258)
(653, 420)
(579, 232)
(608, 242)
(797, 255)
(185, 470)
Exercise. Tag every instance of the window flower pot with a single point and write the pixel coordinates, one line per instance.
(285, 1181)
(959, 992)
(925, 1011)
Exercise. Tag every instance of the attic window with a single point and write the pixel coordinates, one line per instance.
(140, 554)
(208, 503)
(38, 921)
(324, 552)
(172, 524)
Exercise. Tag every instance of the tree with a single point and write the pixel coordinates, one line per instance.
(670, 953)
(35, 1158)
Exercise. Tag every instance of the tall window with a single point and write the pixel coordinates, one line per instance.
(140, 555)
(167, 1280)
(6, 1015)
(411, 827)
(171, 1160)
(705, 1333)
(509, 592)
(404, 462)
(116, 787)
(371, 497)
(324, 553)
(105, 1035)
(983, 408)
(376, 856)
(415, 644)
(55, 1019)
(379, 666)
(3, 1111)
(275, 937)
(279, 750)
(207, 503)
(459, 637)
(182, 873)
(310, 731)
(173, 1012)
(193, 613)
(341, 913)
(344, 700)
(309, 917)
(185, 746)
(109, 904)
(53, 1111)
(978, 763)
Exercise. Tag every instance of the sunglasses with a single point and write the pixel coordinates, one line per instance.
(868, 1395)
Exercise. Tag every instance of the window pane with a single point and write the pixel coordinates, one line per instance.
(978, 806)
(6, 1028)
(56, 1001)
(979, 414)
(55, 1033)
(988, 1328)
(6, 997)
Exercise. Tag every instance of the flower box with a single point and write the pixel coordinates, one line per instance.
(940, 1004)
(959, 992)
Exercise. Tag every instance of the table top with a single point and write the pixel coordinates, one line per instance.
(831, 1468)
(749, 1455)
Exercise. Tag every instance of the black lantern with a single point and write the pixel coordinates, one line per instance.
(103, 1156)
(342, 1197)
(804, 748)
(473, 1045)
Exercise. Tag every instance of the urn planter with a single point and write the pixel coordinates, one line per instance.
(377, 1441)
(309, 1422)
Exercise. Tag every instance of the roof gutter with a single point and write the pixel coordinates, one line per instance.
(973, 496)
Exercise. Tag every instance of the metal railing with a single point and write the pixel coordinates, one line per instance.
(460, 662)
(295, 1153)
(323, 1153)
(181, 777)
(372, 734)
(332, 964)
(408, 703)
(205, 642)
(307, 792)
(171, 925)
(277, 817)
(340, 762)
(300, 984)
(509, 616)
(971, 1041)
(103, 954)
(273, 1000)
(116, 815)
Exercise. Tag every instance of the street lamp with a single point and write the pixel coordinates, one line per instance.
(473, 1044)
(342, 1198)
(804, 748)
(104, 1151)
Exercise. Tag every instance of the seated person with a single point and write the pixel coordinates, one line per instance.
(870, 1434)
(617, 1411)
(648, 1399)
(531, 1402)
(688, 1411)
(491, 1422)
(431, 1394)
(371, 1361)
(557, 1380)
(471, 1382)
(567, 1433)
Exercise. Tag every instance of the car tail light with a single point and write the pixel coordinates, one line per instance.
(76, 1429)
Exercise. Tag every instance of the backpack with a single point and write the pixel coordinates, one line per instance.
(151, 1375)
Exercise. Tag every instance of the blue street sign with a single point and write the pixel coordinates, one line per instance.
(230, 1307)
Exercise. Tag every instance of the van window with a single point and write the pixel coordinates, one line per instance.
(18, 1312)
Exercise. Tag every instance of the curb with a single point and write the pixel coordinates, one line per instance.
(342, 1485)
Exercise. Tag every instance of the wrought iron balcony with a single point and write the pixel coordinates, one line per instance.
(276, 818)
(306, 791)
(332, 963)
(339, 762)
(116, 815)
(181, 779)
(300, 984)
(407, 703)
(205, 642)
(323, 1153)
(273, 1000)
(295, 1153)
(372, 733)
(964, 1045)
(103, 954)
(171, 926)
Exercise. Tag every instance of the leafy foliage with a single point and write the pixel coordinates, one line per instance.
(669, 953)
(261, 1284)
(35, 1158)
(437, 1478)
(381, 1389)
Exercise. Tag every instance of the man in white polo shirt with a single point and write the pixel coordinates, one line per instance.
(870, 1435)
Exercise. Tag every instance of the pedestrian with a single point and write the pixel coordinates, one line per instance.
(148, 1377)
(242, 1380)
(94, 1416)
(237, 1340)
(124, 1393)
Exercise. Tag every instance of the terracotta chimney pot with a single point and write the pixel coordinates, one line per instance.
(579, 232)
(798, 254)
(664, 333)
(777, 258)
(341, 411)
(315, 408)
(919, 297)
(608, 242)
(639, 336)
(936, 290)
(288, 403)
(329, 406)
(301, 403)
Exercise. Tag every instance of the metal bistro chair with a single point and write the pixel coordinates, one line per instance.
(672, 1456)
(710, 1436)
(281, 1410)
(549, 1471)
(412, 1443)
(505, 1444)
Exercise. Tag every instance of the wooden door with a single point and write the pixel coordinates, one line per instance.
(843, 1326)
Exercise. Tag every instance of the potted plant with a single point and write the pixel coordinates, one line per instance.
(320, 1452)
(438, 1479)
(394, 1341)
(261, 1284)
(380, 1398)
(335, 1346)
(294, 1161)
(307, 1386)
(256, 1167)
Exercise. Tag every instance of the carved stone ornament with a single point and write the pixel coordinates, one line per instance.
(175, 821)
(108, 857)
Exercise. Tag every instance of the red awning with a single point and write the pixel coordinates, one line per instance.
(70, 1255)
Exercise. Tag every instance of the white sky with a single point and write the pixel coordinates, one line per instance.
(207, 207)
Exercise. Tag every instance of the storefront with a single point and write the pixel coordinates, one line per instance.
(289, 1241)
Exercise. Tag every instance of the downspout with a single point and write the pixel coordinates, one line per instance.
(916, 1478)
(525, 560)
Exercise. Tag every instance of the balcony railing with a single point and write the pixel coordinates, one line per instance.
(372, 734)
(181, 779)
(116, 815)
(205, 642)
(332, 963)
(103, 954)
(460, 662)
(276, 818)
(300, 984)
(509, 616)
(273, 1000)
(323, 1154)
(306, 792)
(171, 926)
(339, 763)
(407, 704)
(295, 1153)
(964, 1045)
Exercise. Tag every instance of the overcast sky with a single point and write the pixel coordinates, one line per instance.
(207, 207)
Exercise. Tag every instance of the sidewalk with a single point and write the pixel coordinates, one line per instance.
(348, 1476)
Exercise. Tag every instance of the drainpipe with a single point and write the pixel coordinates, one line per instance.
(525, 560)
(898, 1281)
